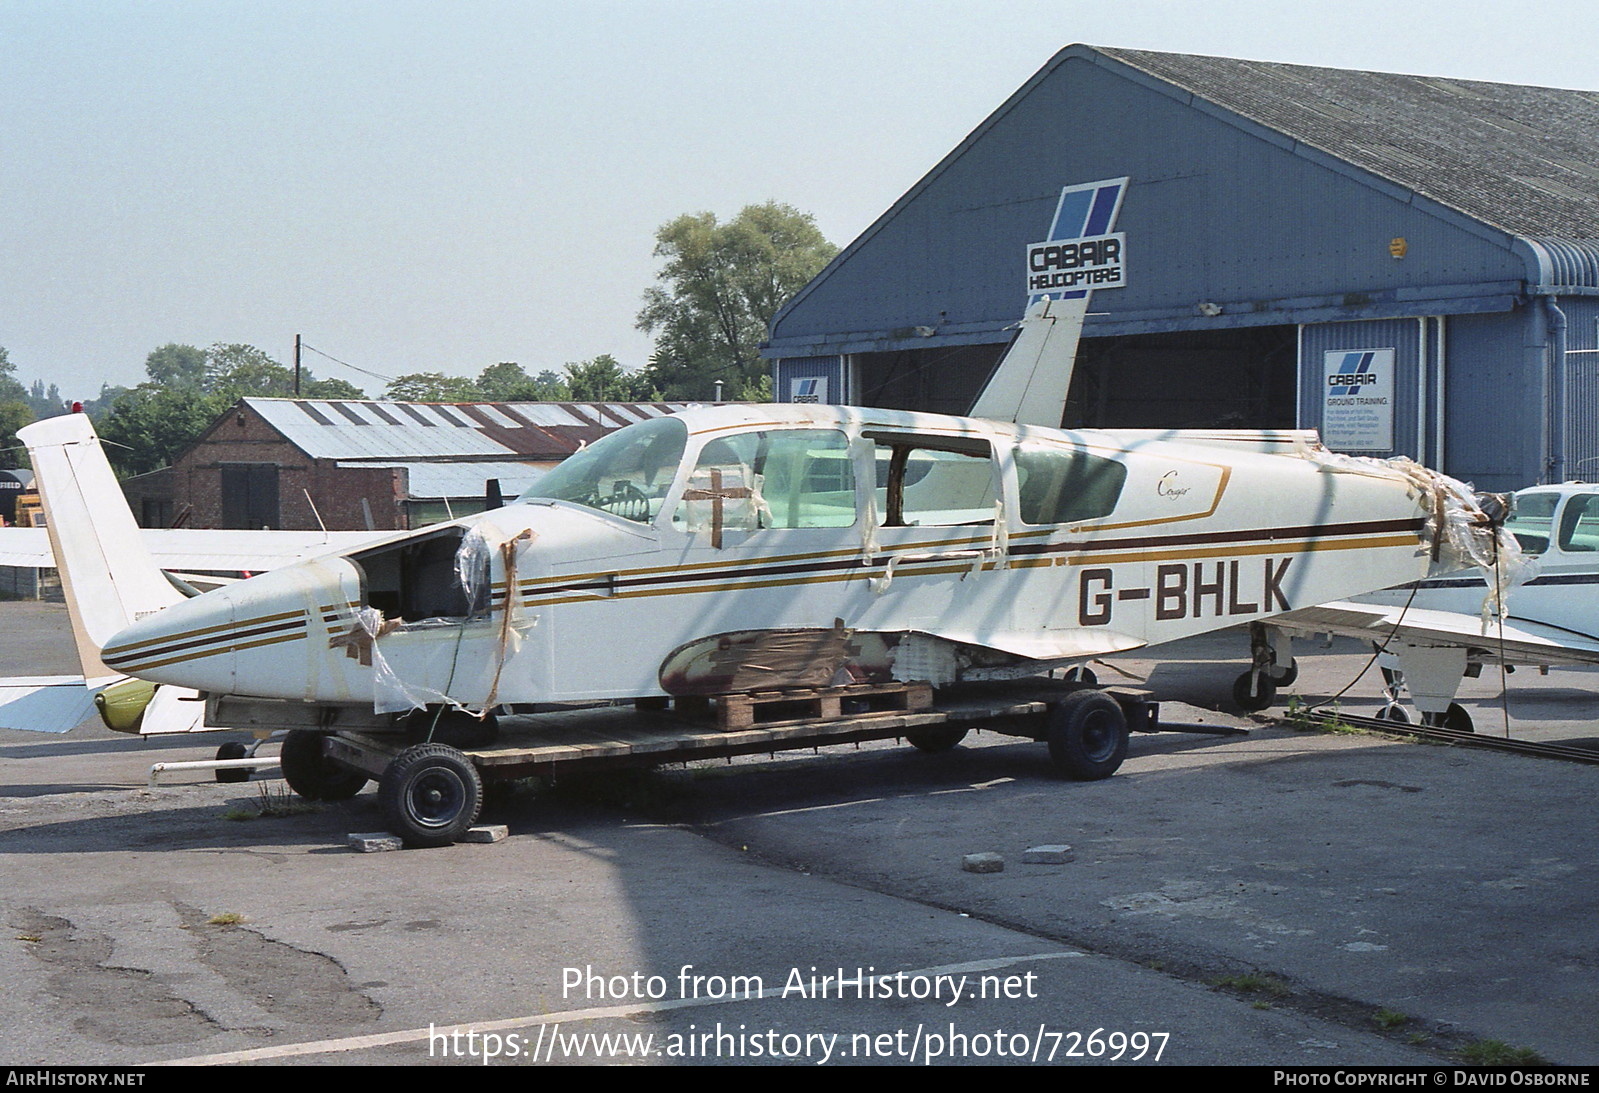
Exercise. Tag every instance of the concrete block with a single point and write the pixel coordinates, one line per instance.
(486, 833)
(1052, 854)
(983, 863)
(373, 842)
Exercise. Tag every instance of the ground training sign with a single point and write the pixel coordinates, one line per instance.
(1358, 400)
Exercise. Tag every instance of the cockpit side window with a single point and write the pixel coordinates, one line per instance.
(1531, 520)
(1063, 486)
(1579, 524)
(779, 478)
(626, 474)
(935, 482)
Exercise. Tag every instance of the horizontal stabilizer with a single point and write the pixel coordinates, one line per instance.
(45, 703)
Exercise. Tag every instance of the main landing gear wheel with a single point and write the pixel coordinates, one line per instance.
(1455, 718)
(1254, 692)
(233, 750)
(1083, 676)
(941, 738)
(313, 775)
(1286, 677)
(1087, 735)
(430, 795)
(1394, 713)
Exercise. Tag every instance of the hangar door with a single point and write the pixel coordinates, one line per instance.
(1243, 379)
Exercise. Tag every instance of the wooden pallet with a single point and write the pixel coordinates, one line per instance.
(767, 708)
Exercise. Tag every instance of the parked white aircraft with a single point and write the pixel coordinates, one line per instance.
(741, 548)
(1437, 631)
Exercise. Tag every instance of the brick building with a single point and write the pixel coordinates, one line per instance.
(366, 465)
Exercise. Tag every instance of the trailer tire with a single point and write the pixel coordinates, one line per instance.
(233, 750)
(313, 775)
(1087, 735)
(430, 795)
(939, 738)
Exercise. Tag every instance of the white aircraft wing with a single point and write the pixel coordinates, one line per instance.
(45, 703)
(200, 548)
(1517, 642)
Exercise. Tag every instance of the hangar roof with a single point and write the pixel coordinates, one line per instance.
(359, 431)
(1523, 159)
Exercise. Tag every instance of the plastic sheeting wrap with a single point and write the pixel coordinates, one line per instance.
(392, 693)
(1460, 533)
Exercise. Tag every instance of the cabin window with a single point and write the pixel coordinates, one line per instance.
(625, 474)
(1579, 524)
(429, 578)
(1531, 520)
(781, 478)
(935, 482)
(1065, 486)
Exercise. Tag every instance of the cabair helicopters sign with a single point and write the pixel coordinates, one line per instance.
(1081, 253)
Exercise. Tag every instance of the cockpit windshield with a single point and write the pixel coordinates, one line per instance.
(626, 474)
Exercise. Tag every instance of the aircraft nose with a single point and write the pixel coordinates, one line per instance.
(190, 644)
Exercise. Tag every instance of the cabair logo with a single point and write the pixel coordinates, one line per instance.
(1081, 253)
(809, 389)
(1355, 370)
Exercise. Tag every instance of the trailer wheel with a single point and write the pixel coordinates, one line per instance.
(1254, 692)
(313, 775)
(1087, 735)
(941, 738)
(233, 750)
(430, 795)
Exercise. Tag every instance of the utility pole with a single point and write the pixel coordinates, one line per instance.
(297, 366)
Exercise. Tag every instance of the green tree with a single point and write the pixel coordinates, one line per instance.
(718, 291)
(602, 379)
(243, 371)
(10, 389)
(431, 387)
(14, 414)
(150, 426)
(332, 389)
(175, 365)
(45, 402)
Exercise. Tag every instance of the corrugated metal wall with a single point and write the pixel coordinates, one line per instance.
(1582, 387)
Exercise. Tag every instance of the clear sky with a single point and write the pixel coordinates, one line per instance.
(427, 186)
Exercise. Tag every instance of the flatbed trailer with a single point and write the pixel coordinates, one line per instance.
(430, 779)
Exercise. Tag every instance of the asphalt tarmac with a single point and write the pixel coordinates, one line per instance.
(1283, 897)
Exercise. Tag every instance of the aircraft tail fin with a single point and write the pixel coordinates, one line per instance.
(108, 575)
(1030, 383)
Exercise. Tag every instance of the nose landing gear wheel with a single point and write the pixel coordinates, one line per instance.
(1254, 692)
(430, 795)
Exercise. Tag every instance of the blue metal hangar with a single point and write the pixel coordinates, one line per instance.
(1409, 264)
